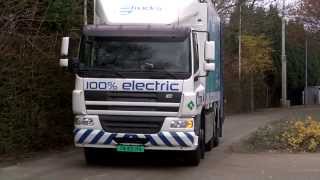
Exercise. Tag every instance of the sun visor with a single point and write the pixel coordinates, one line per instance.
(137, 31)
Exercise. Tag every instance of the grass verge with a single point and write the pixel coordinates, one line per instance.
(294, 135)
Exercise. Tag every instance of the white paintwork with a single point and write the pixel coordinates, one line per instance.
(64, 63)
(202, 38)
(138, 12)
(139, 104)
(210, 53)
(78, 83)
(78, 103)
(142, 11)
(210, 66)
(187, 98)
(65, 46)
(133, 113)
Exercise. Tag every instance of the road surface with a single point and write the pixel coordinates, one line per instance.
(220, 164)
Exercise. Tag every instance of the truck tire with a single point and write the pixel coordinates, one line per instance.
(216, 142)
(194, 157)
(212, 143)
(91, 156)
(217, 132)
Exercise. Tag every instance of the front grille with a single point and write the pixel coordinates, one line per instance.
(131, 124)
(166, 97)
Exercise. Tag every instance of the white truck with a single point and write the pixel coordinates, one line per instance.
(149, 76)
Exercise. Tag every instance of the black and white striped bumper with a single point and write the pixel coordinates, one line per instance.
(162, 140)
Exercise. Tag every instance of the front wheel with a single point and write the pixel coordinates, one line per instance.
(91, 156)
(194, 157)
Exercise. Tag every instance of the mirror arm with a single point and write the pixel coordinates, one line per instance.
(74, 65)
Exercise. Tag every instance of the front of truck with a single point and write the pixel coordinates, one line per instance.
(141, 76)
(134, 86)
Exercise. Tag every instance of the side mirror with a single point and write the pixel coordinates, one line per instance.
(65, 46)
(64, 61)
(210, 67)
(210, 51)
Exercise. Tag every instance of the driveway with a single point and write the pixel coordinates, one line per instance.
(220, 164)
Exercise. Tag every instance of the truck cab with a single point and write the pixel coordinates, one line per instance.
(148, 77)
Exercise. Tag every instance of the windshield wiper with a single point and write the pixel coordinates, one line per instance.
(168, 73)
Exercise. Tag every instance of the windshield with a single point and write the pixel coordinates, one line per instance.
(136, 57)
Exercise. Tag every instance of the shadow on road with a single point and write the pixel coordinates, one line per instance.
(147, 159)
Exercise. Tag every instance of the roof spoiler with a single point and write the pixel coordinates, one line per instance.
(136, 31)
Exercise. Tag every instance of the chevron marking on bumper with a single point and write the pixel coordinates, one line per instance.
(100, 137)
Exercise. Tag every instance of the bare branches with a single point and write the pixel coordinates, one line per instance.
(309, 11)
(224, 7)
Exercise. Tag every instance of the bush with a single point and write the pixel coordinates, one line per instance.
(303, 135)
(35, 98)
(291, 136)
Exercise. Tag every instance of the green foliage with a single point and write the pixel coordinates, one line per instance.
(267, 23)
(63, 14)
(286, 135)
(256, 54)
(35, 106)
(35, 102)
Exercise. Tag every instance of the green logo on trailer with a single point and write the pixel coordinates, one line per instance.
(191, 105)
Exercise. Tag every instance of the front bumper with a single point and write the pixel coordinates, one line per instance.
(164, 140)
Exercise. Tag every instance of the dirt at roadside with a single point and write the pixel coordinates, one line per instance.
(278, 136)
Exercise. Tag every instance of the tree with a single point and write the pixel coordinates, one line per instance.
(224, 7)
(310, 13)
(257, 59)
(34, 92)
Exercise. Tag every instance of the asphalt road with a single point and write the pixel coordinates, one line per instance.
(220, 164)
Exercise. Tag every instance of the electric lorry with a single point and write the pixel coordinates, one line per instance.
(148, 77)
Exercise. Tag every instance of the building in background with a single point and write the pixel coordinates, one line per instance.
(312, 96)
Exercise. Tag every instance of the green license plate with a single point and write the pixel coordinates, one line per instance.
(130, 148)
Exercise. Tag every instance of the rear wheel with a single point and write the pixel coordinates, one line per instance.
(210, 144)
(214, 141)
(216, 133)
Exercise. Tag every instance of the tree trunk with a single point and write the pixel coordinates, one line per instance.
(251, 93)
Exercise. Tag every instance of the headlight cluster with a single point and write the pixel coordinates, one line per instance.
(185, 124)
(84, 121)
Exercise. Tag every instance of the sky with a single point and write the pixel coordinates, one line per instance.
(290, 4)
(279, 2)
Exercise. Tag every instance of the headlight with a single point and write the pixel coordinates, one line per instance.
(186, 124)
(83, 121)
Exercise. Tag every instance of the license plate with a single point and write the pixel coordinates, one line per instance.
(130, 148)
